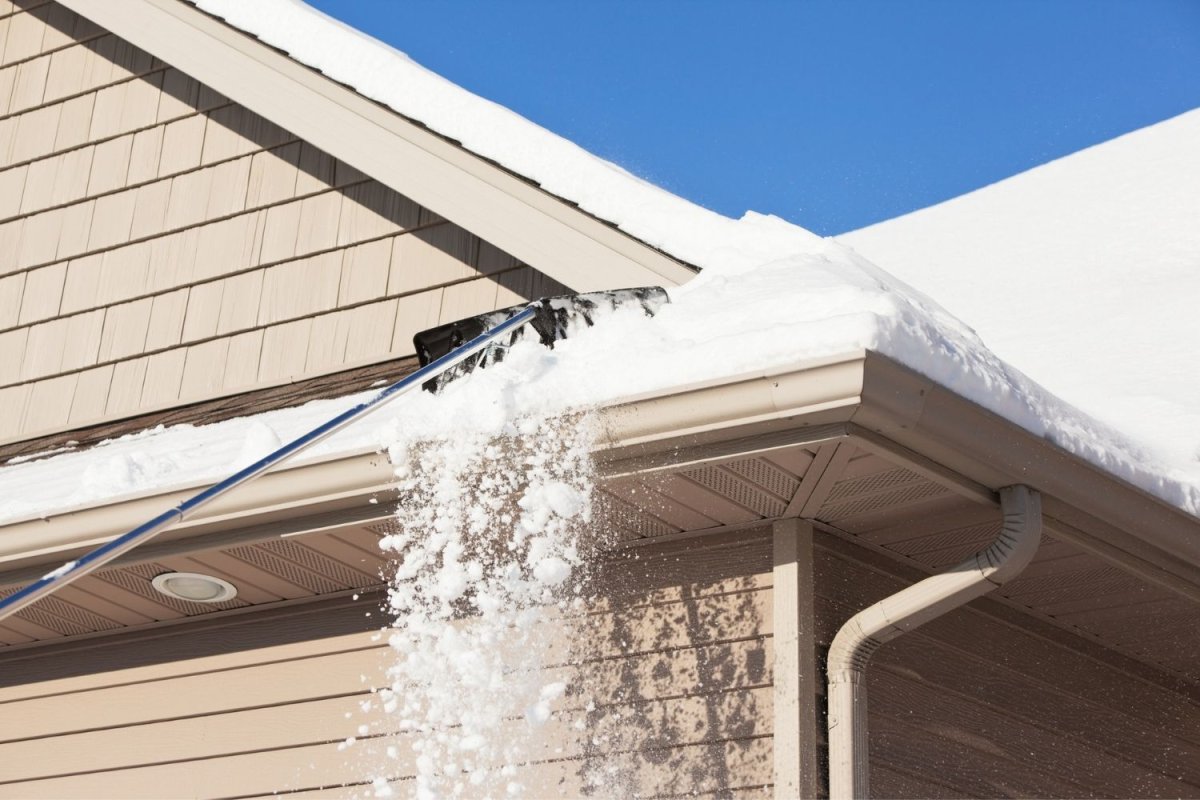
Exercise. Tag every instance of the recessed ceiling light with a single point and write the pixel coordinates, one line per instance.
(194, 587)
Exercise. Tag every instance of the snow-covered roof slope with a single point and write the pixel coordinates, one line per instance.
(1084, 273)
(771, 296)
(686, 231)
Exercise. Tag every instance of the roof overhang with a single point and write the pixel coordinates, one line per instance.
(860, 396)
(543, 231)
(932, 430)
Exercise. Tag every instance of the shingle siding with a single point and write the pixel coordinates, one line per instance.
(150, 230)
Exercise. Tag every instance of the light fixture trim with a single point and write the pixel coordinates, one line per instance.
(194, 587)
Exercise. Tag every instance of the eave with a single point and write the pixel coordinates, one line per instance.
(860, 397)
(935, 432)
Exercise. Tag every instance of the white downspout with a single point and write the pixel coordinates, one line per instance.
(905, 610)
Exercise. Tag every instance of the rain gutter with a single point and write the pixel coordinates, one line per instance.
(283, 500)
(858, 394)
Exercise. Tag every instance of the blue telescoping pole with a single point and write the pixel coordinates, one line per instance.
(97, 558)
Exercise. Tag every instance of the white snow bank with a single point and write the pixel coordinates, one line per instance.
(1085, 272)
(771, 295)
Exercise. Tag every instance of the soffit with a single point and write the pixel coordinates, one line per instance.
(857, 491)
(277, 571)
(506, 210)
(847, 484)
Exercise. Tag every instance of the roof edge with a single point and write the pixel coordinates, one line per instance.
(860, 394)
(911, 414)
(286, 499)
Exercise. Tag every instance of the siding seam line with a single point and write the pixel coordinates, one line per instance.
(24, 10)
(183, 675)
(583, 756)
(74, 43)
(106, 139)
(172, 231)
(11, 114)
(316, 698)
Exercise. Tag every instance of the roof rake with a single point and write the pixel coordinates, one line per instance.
(446, 353)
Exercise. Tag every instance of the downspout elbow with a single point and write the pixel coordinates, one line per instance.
(909, 608)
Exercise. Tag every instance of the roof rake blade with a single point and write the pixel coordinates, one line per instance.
(555, 318)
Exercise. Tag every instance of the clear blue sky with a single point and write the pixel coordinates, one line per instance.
(830, 114)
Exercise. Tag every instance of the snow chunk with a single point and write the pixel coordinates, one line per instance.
(475, 599)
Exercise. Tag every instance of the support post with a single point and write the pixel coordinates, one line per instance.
(795, 666)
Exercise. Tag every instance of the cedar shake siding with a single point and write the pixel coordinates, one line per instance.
(162, 246)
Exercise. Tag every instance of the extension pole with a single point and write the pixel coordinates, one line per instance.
(73, 570)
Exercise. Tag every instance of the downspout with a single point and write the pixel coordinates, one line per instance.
(862, 635)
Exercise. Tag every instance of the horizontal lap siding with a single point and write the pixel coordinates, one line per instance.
(160, 245)
(669, 669)
(969, 706)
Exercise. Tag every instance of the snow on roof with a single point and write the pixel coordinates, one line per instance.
(1085, 273)
(772, 295)
(562, 168)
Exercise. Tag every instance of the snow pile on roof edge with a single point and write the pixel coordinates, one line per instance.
(1085, 271)
(780, 314)
(772, 295)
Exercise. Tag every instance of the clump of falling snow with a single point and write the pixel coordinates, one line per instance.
(489, 552)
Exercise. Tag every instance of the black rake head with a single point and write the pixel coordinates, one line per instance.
(556, 318)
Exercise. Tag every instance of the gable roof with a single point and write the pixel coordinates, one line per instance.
(504, 208)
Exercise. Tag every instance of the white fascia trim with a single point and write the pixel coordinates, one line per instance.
(535, 227)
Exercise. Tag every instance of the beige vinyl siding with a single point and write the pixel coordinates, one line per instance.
(973, 705)
(671, 669)
(160, 245)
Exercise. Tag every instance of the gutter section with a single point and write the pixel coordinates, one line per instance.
(302, 491)
(826, 390)
(818, 392)
(898, 614)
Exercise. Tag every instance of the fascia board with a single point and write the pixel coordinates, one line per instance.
(862, 395)
(655, 425)
(1082, 503)
(299, 493)
(541, 230)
